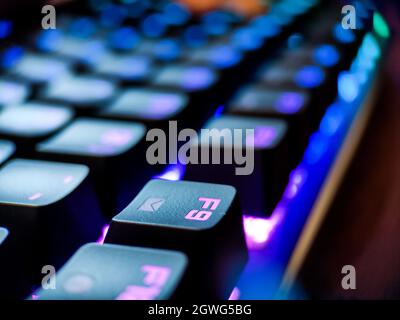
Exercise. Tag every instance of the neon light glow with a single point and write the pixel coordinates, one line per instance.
(5, 28)
(326, 55)
(103, 234)
(380, 26)
(348, 86)
(235, 295)
(172, 173)
(289, 102)
(259, 230)
(309, 77)
(263, 137)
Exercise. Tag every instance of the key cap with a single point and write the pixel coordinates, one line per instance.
(151, 106)
(7, 149)
(114, 272)
(225, 58)
(112, 149)
(311, 78)
(31, 122)
(126, 68)
(40, 69)
(13, 92)
(163, 50)
(291, 105)
(258, 167)
(200, 219)
(188, 78)
(200, 83)
(85, 93)
(48, 207)
(80, 50)
(124, 39)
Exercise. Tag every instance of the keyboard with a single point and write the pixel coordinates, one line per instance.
(148, 152)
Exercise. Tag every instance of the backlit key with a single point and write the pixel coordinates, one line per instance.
(124, 67)
(199, 82)
(29, 123)
(48, 206)
(39, 69)
(86, 93)
(291, 105)
(110, 148)
(114, 272)
(85, 51)
(200, 219)
(246, 152)
(151, 106)
(13, 92)
(163, 50)
(188, 78)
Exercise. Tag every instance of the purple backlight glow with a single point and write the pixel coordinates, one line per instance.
(116, 137)
(263, 137)
(289, 102)
(258, 230)
(235, 295)
(163, 105)
(297, 179)
(103, 234)
(172, 173)
(197, 78)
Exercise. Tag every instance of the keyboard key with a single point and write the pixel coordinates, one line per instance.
(29, 123)
(263, 164)
(163, 50)
(112, 149)
(188, 78)
(85, 93)
(113, 272)
(47, 206)
(124, 67)
(151, 106)
(124, 39)
(190, 217)
(13, 92)
(218, 56)
(291, 105)
(311, 78)
(40, 69)
(84, 51)
(7, 148)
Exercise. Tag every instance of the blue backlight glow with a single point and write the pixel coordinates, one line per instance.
(5, 28)
(343, 35)
(125, 38)
(153, 26)
(309, 77)
(195, 37)
(326, 55)
(348, 86)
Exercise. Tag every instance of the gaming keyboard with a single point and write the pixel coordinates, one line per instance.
(82, 105)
